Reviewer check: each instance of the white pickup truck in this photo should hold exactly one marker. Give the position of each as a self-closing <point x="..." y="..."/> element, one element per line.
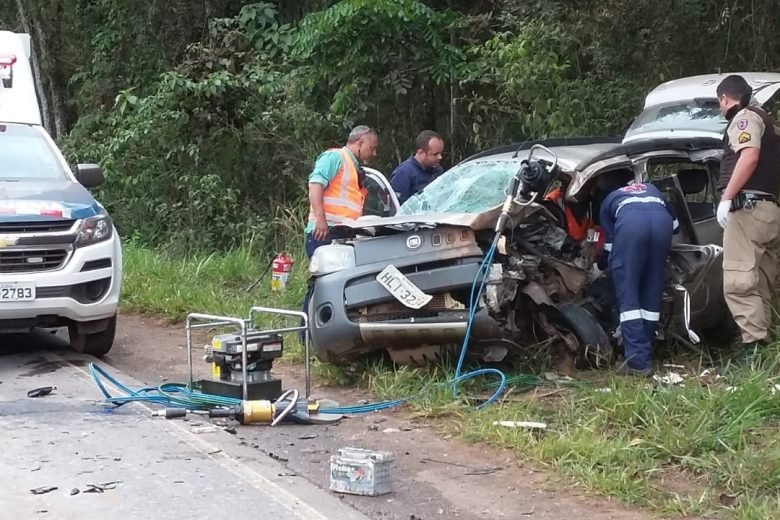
<point x="60" y="254"/>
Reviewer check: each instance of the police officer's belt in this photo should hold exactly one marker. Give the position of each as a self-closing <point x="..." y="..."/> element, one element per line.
<point x="746" y="199"/>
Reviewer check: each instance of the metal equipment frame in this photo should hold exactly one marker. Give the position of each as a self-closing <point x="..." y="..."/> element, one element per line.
<point x="247" y="331"/>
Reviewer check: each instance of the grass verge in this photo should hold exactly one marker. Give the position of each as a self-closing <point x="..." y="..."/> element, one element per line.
<point x="173" y="287"/>
<point x="710" y="446"/>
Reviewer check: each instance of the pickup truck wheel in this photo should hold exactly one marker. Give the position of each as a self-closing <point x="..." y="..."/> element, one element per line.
<point x="95" y="343"/>
<point x="594" y="345"/>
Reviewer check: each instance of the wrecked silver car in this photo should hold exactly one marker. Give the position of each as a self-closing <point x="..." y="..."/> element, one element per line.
<point x="402" y="280"/>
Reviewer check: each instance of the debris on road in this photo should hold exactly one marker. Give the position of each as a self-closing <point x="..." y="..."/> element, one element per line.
<point x="43" y="490"/>
<point x="42" y="391"/>
<point x="307" y="437"/>
<point x="75" y="491"/>
<point x="99" y="488"/>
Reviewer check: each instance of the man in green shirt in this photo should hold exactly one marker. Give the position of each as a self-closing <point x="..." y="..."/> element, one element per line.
<point x="361" y="147"/>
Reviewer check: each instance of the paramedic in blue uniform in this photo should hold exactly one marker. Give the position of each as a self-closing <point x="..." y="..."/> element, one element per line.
<point x="639" y="226"/>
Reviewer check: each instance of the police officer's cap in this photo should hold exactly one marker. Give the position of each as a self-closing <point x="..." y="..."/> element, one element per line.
<point x="735" y="87"/>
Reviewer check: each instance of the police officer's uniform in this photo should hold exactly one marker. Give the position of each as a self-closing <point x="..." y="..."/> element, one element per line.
<point x="639" y="226"/>
<point x="752" y="236"/>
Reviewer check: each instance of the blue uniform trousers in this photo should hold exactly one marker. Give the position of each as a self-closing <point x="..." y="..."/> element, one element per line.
<point x="643" y="237"/>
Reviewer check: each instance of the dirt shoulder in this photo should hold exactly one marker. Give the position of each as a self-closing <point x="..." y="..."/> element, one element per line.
<point x="436" y="475"/>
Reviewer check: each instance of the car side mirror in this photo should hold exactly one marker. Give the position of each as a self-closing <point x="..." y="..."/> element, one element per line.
<point x="90" y="175"/>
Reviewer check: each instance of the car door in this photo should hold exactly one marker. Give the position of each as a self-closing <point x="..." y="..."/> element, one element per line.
<point x="381" y="200"/>
<point x="684" y="174"/>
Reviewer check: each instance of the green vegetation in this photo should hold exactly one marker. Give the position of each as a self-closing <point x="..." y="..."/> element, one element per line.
<point x="208" y="115"/>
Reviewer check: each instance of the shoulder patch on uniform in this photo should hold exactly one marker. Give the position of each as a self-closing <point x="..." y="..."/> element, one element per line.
<point x="742" y="124"/>
<point x="634" y="188"/>
<point x="744" y="137"/>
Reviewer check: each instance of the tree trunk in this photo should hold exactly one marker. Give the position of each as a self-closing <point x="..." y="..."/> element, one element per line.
<point x="50" y="90"/>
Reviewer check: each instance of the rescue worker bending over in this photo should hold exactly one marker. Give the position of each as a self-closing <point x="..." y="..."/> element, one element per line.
<point x="749" y="184"/>
<point x="639" y="226"/>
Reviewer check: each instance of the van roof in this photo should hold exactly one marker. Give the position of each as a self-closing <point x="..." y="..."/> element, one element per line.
<point x="19" y="103"/>
<point x="705" y="85"/>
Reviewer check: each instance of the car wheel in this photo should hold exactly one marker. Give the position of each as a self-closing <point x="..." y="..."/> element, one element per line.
<point x="94" y="343"/>
<point x="594" y="345"/>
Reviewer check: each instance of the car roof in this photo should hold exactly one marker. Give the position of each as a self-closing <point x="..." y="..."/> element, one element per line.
<point x="571" y="152"/>
<point x="704" y="86"/>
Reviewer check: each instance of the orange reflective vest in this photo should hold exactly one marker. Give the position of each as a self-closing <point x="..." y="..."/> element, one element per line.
<point x="343" y="198"/>
<point x="577" y="230"/>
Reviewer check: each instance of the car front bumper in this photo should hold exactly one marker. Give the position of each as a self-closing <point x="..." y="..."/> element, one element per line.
<point x="85" y="289"/>
<point x="351" y="313"/>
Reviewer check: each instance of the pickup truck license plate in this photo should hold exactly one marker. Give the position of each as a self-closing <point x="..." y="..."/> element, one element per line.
<point x="17" y="291"/>
<point x="402" y="288"/>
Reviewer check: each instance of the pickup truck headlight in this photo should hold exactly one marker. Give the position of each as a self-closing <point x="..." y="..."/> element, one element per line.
<point x="331" y="258"/>
<point x="94" y="229"/>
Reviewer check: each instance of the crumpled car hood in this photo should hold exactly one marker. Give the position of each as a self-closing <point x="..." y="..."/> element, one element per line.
<point x="476" y="221"/>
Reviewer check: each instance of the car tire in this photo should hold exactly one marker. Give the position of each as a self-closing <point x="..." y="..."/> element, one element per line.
<point x="595" y="348"/>
<point x="96" y="344"/>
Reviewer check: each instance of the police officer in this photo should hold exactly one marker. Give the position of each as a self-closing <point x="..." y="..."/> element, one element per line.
<point x="639" y="226"/>
<point x="749" y="185"/>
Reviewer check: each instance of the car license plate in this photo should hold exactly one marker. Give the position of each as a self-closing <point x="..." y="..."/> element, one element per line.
<point x="17" y="291"/>
<point x="402" y="288"/>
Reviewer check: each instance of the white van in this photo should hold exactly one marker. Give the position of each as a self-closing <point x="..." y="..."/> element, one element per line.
<point x="688" y="107"/>
<point x="60" y="254"/>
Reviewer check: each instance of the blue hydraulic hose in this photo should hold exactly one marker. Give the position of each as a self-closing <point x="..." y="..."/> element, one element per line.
<point x="180" y="396"/>
<point x="174" y="395"/>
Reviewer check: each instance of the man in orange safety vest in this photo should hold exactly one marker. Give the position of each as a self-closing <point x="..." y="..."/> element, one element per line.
<point x="336" y="189"/>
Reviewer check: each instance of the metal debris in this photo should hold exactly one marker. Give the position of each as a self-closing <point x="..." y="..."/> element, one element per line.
<point x="42" y="391"/>
<point x="43" y="490"/>
<point x="99" y="488"/>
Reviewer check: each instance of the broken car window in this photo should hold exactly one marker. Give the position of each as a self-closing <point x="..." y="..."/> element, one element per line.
<point x="472" y="187"/>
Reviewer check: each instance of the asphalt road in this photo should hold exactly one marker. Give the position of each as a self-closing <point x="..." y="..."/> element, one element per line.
<point x="172" y="468"/>
<point x="68" y="456"/>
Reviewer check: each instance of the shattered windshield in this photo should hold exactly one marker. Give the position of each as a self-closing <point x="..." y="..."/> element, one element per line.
<point x="471" y="187"/>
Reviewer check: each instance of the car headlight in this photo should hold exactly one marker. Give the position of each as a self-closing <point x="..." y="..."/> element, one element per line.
<point x="331" y="258"/>
<point x="95" y="229"/>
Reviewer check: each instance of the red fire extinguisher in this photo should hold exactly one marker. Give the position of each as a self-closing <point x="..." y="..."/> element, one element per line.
<point x="281" y="269"/>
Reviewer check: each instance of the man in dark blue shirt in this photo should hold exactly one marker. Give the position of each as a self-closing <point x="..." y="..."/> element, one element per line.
<point x="415" y="173"/>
